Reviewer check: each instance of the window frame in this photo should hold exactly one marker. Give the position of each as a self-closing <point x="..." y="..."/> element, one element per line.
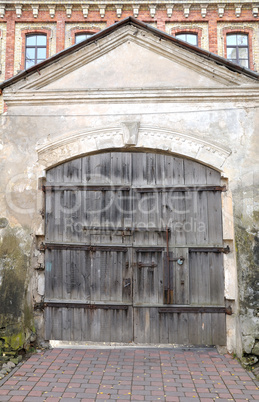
<point x="237" y="47"/>
<point x="239" y="30"/>
<point x="26" y="31"/>
<point x="35" y="47"/>
<point x="77" y="34"/>
<point x="188" y="33"/>
<point x="186" y="30"/>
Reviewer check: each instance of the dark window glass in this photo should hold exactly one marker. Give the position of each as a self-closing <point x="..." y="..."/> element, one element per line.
<point x="82" y="36"/>
<point x="237" y="49"/>
<point x="36" y="49"/>
<point x="189" y="38"/>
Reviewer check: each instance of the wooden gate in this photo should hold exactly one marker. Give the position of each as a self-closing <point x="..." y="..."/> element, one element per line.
<point x="134" y="250"/>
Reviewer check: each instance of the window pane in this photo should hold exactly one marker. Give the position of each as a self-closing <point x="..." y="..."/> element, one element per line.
<point x="30" y="53"/>
<point x="41" y="40"/>
<point x="244" y="63"/>
<point x="231" y="40"/>
<point x="41" y="53"/>
<point x="242" y="40"/>
<point x="231" y="53"/>
<point x="192" y="39"/>
<point x="31" y="40"/>
<point x="243" y="53"/>
<point x="189" y="38"/>
<point x="181" y="36"/>
<point x="80" y="37"/>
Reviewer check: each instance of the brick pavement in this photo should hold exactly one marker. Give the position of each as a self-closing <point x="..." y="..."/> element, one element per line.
<point x="133" y="374"/>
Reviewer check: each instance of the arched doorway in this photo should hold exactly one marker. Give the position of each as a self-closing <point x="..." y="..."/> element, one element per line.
<point x="134" y="250"/>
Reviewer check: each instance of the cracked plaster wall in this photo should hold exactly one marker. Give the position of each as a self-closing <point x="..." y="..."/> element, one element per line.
<point x="228" y="125"/>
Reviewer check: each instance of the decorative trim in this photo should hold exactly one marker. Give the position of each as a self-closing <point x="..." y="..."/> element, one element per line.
<point x="169" y="9"/>
<point x="135" y="8"/>
<point x="68" y="10"/>
<point x="35" y="10"/>
<point x="186" y="10"/>
<point x="152" y="10"/>
<point x="85" y="8"/>
<point x="238" y="9"/>
<point x="18" y="9"/>
<point x="221" y="10"/>
<point x="130" y="132"/>
<point x="204" y="10"/>
<point x="142" y="137"/>
<point x="102" y="8"/>
<point x="52" y="10"/>
<point x="119" y="9"/>
<point x="2" y="10"/>
<point x="255" y="8"/>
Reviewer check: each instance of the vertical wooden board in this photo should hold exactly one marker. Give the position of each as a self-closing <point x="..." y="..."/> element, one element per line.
<point x="140" y="324"/>
<point x="180" y="283"/>
<point x="95" y="276"/>
<point x="173" y="171"/>
<point x="86" y="324"/>
<point x="49" y="215"/>
<point x="49" y="265"/>
<point x="56" y="323"/>
<point x="218" y="325"/>
<point x="105" y="325"/>
<point x="164" y="328"/>
<point x="125" y="267"/>
<point x="190" y="225"/>
<point x="73" y="171"/>
<point x="57" y="274"/>
<point x="127" y="325"/>
<point x="86" y="275"/>
<point x="48" y="323"/>
<point x="154" y="334"/>
<point x="66" y="323"/>
<point x="193" y="329"/>
<point x="160" y="170"/>
<point x="216" y="284"/>
<point x="213" y="177"/>
<point x="183" y="328"/>
<point x="177" y="204"/>
<point x="206" y="330"/>
<point x="202" y="218"/>
<point x="120" y="168"/>
<point x="194" y="173"/>
<point x="151" y="169"/>
<point x="215" y="218"/>
<point x="139" y="170"/>
<point x="173" y="322"/>
<point x="95" y="324"/>
<point x="194" y="261"/>
<point x="77" y="324"/>
<point x="104" y="275"/>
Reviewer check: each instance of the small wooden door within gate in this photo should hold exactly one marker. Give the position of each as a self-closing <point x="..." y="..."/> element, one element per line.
<point x="134" y="250"/>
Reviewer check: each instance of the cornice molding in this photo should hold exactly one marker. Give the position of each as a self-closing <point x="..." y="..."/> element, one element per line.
<point x="240" y="96"/>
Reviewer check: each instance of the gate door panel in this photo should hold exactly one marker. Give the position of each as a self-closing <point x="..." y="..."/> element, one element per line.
<point x="134" y="250"/>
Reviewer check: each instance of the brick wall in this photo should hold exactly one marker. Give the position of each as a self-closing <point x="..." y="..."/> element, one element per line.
<point x="61" y="27"/>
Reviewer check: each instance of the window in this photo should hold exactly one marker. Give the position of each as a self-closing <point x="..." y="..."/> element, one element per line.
<point x="82" y="36"/>
<point x="237" y="49"/>
<point x="36" y="49"/>
<point x="188" y="37"/>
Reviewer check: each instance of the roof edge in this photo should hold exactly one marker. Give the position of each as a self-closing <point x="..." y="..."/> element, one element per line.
<point x="131" y="21"/>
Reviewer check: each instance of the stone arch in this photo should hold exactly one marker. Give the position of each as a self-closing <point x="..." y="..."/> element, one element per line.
<point x="132" y="135"/>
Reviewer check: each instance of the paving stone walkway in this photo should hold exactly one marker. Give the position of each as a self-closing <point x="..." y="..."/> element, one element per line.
<point x="133" y="374"/>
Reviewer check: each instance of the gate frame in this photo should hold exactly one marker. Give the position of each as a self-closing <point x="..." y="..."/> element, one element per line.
<point x="129" y="136"/>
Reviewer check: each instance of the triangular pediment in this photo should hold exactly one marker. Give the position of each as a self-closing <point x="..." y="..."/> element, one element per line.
<point x="130" y="55"/>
